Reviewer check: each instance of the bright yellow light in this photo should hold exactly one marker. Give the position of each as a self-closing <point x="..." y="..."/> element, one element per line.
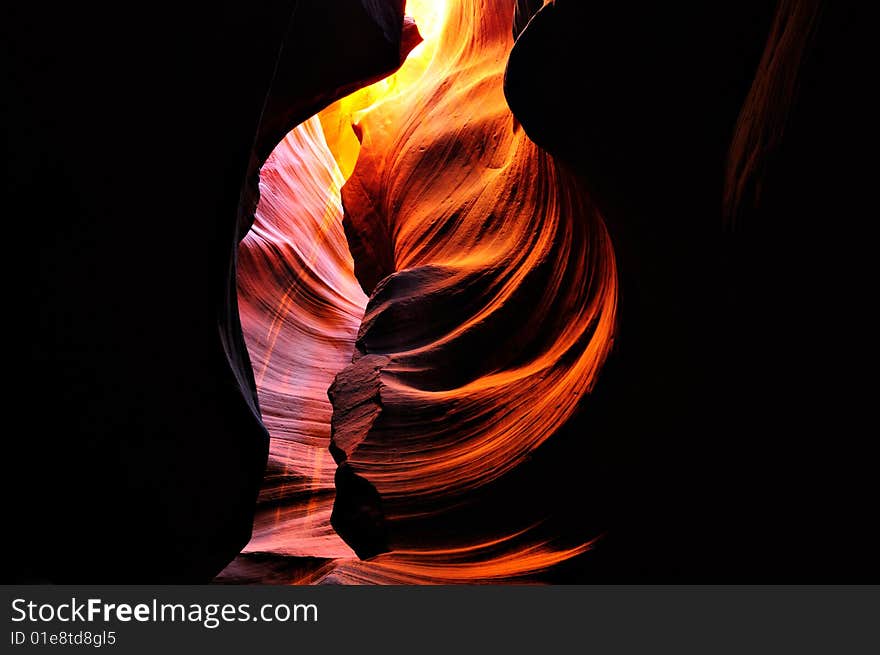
<point x="337" y="120"/>
<point x="430" y="16"/>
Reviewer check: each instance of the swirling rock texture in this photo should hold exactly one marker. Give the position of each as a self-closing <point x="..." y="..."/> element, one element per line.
<point x="464" y="301"/>
<point x="301" y="307"/>
<point x="491" y="311"/>
<point x="492" y="287"/>
<point x="459" y="226"/>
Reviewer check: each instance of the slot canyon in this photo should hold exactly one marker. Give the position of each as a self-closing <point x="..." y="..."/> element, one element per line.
<point x="439" y="292"/>
<point x="460" y="229"/>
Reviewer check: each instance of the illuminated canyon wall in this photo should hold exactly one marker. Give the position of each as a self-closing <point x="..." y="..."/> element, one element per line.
<point x="457" y="309"/>
<point x="450" y="283"/>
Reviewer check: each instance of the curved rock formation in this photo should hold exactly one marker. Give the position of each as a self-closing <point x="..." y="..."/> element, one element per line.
<point x="492" y="285"/>
<point x="492" y="308"/>
<point x="301" y="307"/>
<point x="466" y="426"/>
<point x="493" y="296"/>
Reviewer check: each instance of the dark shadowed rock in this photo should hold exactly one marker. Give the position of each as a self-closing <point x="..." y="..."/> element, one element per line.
<point x="358" y="516"/>
<point x="745" y="417"/>
<point x="141" y="449"/>
<point x="522" y="14"/>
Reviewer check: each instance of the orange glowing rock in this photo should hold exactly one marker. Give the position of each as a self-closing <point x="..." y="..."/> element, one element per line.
<point x="492" y="309"/>
<point x="492" y="279"/>
<point x="300" y="308"/>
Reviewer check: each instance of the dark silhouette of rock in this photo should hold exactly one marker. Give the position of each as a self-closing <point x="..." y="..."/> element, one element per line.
<point x="358" y="516"/>
<point x="522" y="14"/>
<point x="140" y="451"/>
<point x="731" y="370"/>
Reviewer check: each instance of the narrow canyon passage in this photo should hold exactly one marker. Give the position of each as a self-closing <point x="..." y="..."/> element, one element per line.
<point x="492" y="308"/>
<point x="440" y="291"/>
